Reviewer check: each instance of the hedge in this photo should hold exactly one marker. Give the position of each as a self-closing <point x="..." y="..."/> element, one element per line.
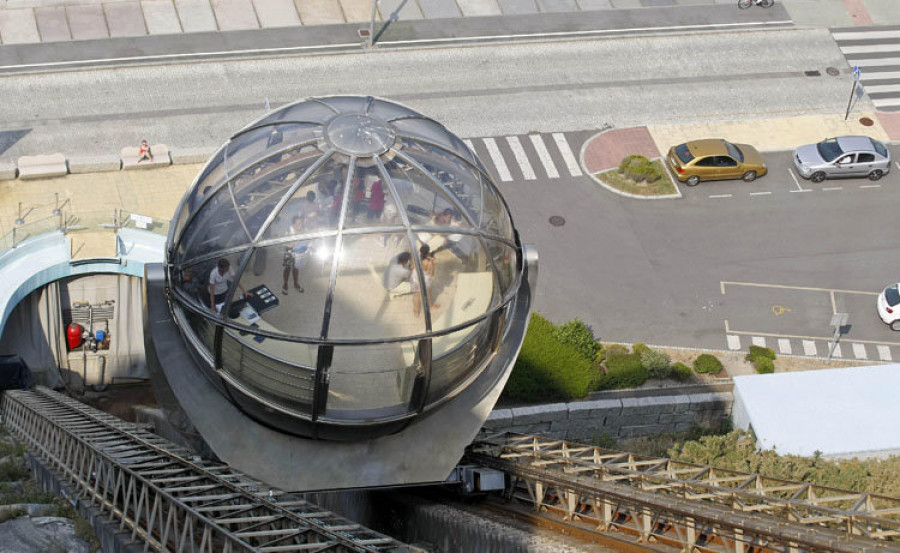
<point x="548" y="369"/>
<point x="759" y="351"/>
<point x="680" y="371"/>
<point x="707" y="364"/>
<point x="576" y="333"/>
<point x="764" y="365"/>
<point x="623" y="371"/>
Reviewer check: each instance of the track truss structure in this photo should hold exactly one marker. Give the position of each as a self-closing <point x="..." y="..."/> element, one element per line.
<point x="165" y="495"/>
<point x="695" y="507"/>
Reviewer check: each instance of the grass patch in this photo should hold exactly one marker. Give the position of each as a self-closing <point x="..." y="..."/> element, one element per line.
<point x="617" y="179"/>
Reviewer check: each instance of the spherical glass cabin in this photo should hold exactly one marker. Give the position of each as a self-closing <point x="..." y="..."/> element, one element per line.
<point x="379" y="259"/>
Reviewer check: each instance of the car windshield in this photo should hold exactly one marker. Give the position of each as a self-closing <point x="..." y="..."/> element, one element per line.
<point x="829" y="150"/>
<point x="892" y="295"/>
<point x="683" y="153"/>
<point x="734" y="151"/>
<point x="879" y="147"/>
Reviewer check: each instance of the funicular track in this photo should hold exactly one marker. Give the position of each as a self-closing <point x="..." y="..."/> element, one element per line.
<point x="693" y="507"/>
<point x="166" y="496"/>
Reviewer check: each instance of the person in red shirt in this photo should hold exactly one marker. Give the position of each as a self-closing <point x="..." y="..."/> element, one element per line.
<point x="376" y="201"/>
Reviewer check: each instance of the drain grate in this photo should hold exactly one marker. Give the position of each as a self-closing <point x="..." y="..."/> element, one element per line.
<point x="812" y="73"/>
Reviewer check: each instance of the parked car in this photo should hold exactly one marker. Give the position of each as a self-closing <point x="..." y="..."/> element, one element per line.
<point x="715" y="159"/>
<point x="889" y="306"/>
<point x="843" y="156"/>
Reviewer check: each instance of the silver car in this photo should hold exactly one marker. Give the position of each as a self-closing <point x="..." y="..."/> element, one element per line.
<point x="844" y="156"/>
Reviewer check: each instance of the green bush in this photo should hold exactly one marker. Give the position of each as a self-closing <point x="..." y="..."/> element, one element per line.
<point x="623" y="371"/>
<point x="657" y="363"/>
<point x="615" y="350"/>
<point x="639" y="349"/>
<point x="680" y="371"/>
<point x="601" y="354"/>
<point x="707" y="364"/>
<point x="576" y="333"/>
<point x="758" y="351"/>
<point x="639" y="168"/>
<point x="633" y="160"/>
<point x="764" y="365"/>
<point x="548" y="369"/>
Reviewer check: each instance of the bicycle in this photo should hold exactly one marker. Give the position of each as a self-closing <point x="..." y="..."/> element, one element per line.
<point x="744" y="4"/>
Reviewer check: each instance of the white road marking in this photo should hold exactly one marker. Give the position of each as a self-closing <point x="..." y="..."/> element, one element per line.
<point x="784" y="346"/>
<point x="886" y="102"/>
<point x="521" y="158"/>
<point x="809" y="347"/>
<point x="734" y="342"/>
<point x="760" y="193"/>
<point x="544" y="156"/>
<point x="875" y="62"/>
<point x="497" y="158"/>
<point x="470" y="145"/>
<point x="884" y="353"/>
<point x="567" y="155"/>
<point x="870" y="186"/>
<point x="880" y="76"/>
<point x="882" y="88"/>
<point x="870" y="48"/>
<point x="859" y="351"/>
<point x="897" y="163"/>
<point x="833" y="188"/>
<point x="858" y="35"/>
<point x="837" y="351"/>
<point x="799" y="188"/>
<point x="758" y="341"/>
<point x="720" y="196"/>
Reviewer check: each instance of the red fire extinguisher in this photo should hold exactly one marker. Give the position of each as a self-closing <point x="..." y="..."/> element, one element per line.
<point x="73" y="335"/>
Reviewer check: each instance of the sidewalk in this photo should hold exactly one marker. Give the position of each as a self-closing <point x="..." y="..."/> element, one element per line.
<point x="33" y="21"/>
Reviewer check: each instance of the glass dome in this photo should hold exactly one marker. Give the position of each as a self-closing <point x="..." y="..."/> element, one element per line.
<point x="377" y="258"/>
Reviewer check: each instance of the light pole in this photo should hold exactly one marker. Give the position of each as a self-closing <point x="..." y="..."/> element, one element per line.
<point x="370" y="40"/>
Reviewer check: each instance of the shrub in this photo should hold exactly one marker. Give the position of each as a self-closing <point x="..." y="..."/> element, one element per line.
<point x="623" y="371"/>
<point x="758" y="351"/>
<point x="548" y="369"/>
<point x="576" y="333"/>
<point x="615" y="350"/>
<point x="681" y="372"/>
<point x="639" y="168"/>
<point x="601" y="354"/>
<point x="764" y="365"/>
<point x="707" y="364"/>
<point x="639" y="349"/>
<point x="657" y="363"/>
<point x="633" y="160"/>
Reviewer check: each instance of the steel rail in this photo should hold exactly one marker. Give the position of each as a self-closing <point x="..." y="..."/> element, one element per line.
<point x="664" y="499"/>
<point x="166" y="495"/>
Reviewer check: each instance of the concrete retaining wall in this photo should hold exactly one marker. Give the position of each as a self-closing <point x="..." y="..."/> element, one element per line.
<point x="626" y="417"/>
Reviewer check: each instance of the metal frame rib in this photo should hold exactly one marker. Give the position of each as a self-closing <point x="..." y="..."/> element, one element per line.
<point x="700" y="508"/>
<point x="167" y="496"/>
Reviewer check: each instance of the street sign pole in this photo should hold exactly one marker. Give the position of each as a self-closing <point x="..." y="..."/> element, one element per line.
<point x="856" y="75"/>
<point x="370" y="40"/>
<point x="838" y="321"/>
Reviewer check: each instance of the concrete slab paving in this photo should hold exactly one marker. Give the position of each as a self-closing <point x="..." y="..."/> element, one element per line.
<point x="657" y="3"/>
<point x="18" y="27"/>
<point x="439" y="9"/>
<point x="52" y="24"/>
<point x="588" y="5"/>
<point x="235" y="15"/>
<point x="356" y="10"/>
<point x="322" y="12"/>
<point x="196" y="16"/>
<point x="475" y="8"/>
<point x="276" y="13"/>
<point x="885" y="12"/>
<point x="161" y="17"/>
<point x="818" y="13"/>
<point x="512" y="7"/>
<point x="87" y="22"/>
<point x="125" y="19"/>
<point x="399" y="10"/>
<point x="557" y="6"/>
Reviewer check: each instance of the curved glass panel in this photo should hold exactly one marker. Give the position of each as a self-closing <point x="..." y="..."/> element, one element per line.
<point x="220" y="281"/>
<point x="457" y="355"/>
<point x="311" y="111"/>
<point x="426" y="130"/>
<point x="289" y="285"/>
<point x="505" y="262"/>
<point x="464" y="286"/>
<point x="372" y="293"/>
<point x="371" y="202"/>
<point x="215" y="228"/>
<point x="367" y="382"/>
<point x="260" y="364"/>
<point x="314" y="206"/>
<point x="424" y="202"/>
<point x="203" y="329"/>
<point x="494" y="216"/>
<point x="390" y="111"/>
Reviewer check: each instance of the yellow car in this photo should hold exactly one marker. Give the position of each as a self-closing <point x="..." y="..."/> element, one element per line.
<point x="715" y="159"/>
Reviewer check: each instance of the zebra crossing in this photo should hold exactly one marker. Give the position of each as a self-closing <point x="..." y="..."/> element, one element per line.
<point x="858" y="351"/>
<point x="528" y="157"/>
<point x="876" y="51"/>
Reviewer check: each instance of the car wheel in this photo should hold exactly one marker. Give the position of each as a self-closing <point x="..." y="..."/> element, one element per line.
<point x="817" y="177"/>
<point x="876" y="174"/>
<point x="692" y="181"/>
<point x="749" y="176"/>
<point x="895" y="325"/>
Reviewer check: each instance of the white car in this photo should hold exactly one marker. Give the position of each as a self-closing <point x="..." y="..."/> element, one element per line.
<point x="889" y="306"/>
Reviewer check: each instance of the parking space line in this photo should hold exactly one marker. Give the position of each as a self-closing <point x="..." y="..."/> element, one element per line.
<point x="758" y="341"/>
<point x="799" y="188"/>
<point x="809" y="347"/>
<point x="784" y="346"/>
<point x="870" y="186"/>
<point x="897" y="163"/>
<point x="837" y="351"/>
<point x="788" y="287"/>
<point x="829" y="188"/>
<point x="884" y="353"/>
<point x="760" y="193"/>
<point x="720" y="195"/>
<point x="734" y="342"/>
<point x="859" y="351"/>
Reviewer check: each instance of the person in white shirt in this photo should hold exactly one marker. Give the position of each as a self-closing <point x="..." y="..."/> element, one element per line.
<point x="219" y="280"/>
<point x="396" y="277"/>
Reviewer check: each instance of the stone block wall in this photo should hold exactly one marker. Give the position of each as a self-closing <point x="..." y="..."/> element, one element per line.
<point x="628" y="417"/>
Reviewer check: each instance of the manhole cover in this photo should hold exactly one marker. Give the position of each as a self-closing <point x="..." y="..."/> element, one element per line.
<point x="833" y="71"/>
<point x="866" y="122"/>
<point x="557" y="221"/>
